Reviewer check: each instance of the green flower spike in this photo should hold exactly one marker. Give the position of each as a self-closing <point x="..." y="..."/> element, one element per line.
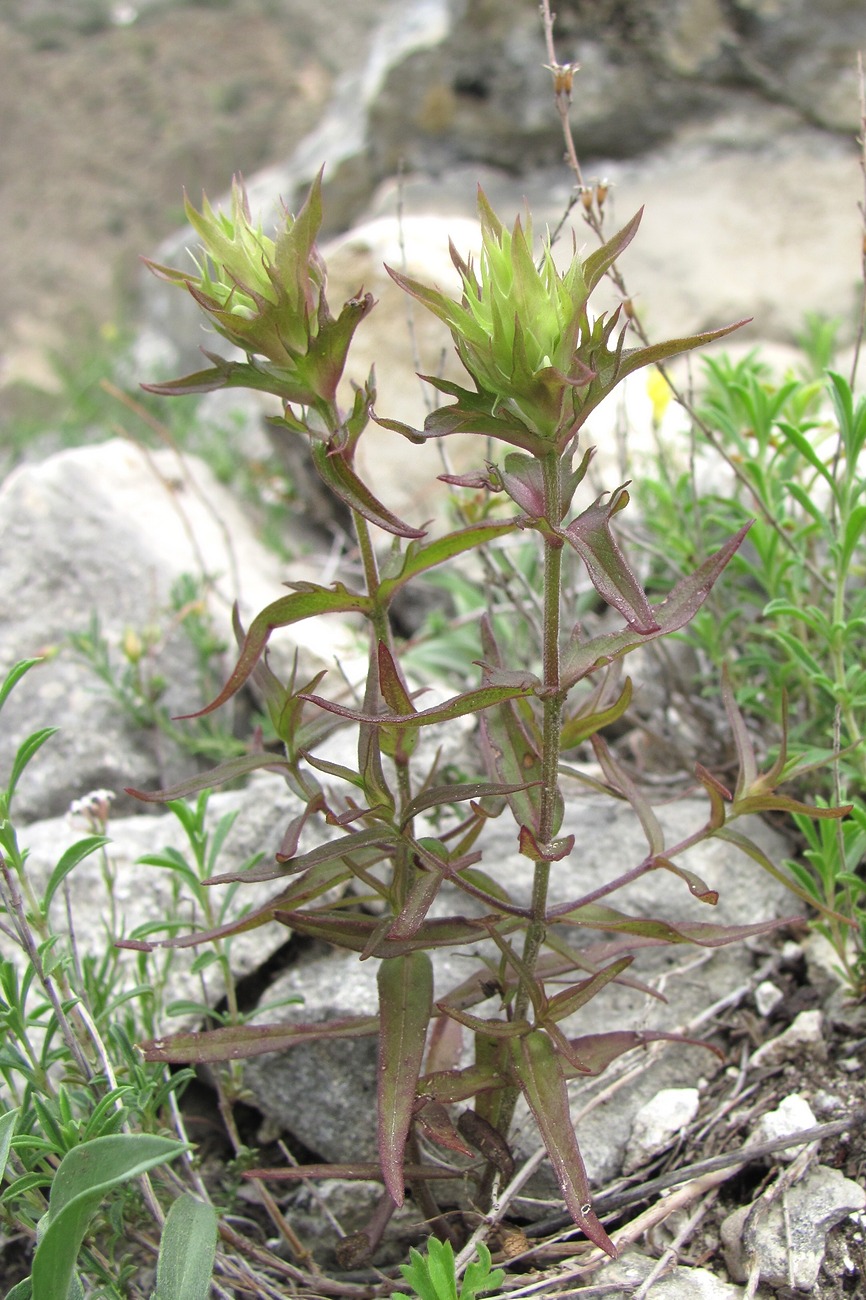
<point x="523" y="333"/>
<point x="267" y="297"/>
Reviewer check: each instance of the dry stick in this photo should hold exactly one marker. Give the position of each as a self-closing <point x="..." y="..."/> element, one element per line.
<point x="563" y="82"/>
<point x="165" y="436"/>
<point x="671" y="1255"/>
<point x="595" y="221"/>
<point x="861" y="140"/>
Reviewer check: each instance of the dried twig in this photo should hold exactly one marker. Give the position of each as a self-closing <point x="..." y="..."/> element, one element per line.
<point x="861" y="140"/>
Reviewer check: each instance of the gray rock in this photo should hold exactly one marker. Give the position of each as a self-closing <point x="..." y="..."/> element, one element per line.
<point x="658" y="1122"/>
<point x="789" y="1239"/>
<point x="792" y="1115"/>
<point x="679" y="1284"/>
<point x="803" y="1035"/>
<point x="324" y="1092"/>
<point x="767" y="997"/>
<point x="108" y="530"/>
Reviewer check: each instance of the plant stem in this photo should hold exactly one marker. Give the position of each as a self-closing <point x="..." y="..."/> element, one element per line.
<point x="552" y="701"/>
<point x="378" y="615"/>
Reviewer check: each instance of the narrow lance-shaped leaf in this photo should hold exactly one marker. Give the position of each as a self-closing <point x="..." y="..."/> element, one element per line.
<point x="752" y="850"/>
<point x="355" y="932"/>
<point x="420" y="558"/>
<point x="596" y="1051"/>
<point x="282" y="613"/>
<point x="437" y="796"/>
<point x="616" y="774"/>
<point x="241" y="1042"/>
<point x="482" y="697"/>
<point x="581" y="726"/>
<point x="572" y="999"/>
<point x="703" y="933"/>
<point x="405" y="1006"/>
<point x="584" y="657"/>
<point x="337" y="473"/>
<point x="215" y="776"/>
<point x="539" y="1074"/>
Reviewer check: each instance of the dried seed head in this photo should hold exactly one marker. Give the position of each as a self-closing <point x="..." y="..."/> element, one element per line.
<point x="563" y="77"/>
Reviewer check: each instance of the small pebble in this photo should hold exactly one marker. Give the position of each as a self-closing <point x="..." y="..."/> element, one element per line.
<point x="767" y="997"/>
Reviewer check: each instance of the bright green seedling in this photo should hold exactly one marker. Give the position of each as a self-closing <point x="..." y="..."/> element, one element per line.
<point x="433" y="1276"/>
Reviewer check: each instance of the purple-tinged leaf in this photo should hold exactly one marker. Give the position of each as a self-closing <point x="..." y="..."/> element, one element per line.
<point x="240" y="1042"/>
<point x="747" y="846"/>
<point x="292" y="836"/>
<point x="583" y="658"/>
<point x="420" y="558"/>
<point x="405" y="1006"/>
<point x="314" y="883"/>
<point x="452" y="1086"/>
<point x="359" y="1171"/>
<point x="702" y="933"/>
<point x="394" y="690"/>
<point x="433" y="1119"/>
<point x="718" y="796"/>
<point x="696" y="886"/>
<point x="330" y="851"/>
<point x="510" y="752"/>
<point x="747" y="773"/>
<point x="531" y="847"/>
<point x="591" y="537"/>
<point x="444" y="1045"/>
<point x="482" y="697"/>
<point x="636" y="358"/>
<point x="355" y="932"/>
<point x="572" y="999"/>
<point x="417" y="904"/>
<point x="597" y="1051"/>
<point x="539" y="1074"/>
<point x="620" y="780"/>
<point x="761" y="803"/>
<point x="490" y="1028"/>
<point x="232" y="374"/>
<point x="488" y="1142"/>
<point x="216" y="776"/>
<point x="336" y="472"/>
<point x="373" y="779"/>
<point x="599" y="262"/>
<point x="523" y="480"/>
<point x="563" y="959"/>
<point x="437" y="796"/>
<point x="299" y="605"/>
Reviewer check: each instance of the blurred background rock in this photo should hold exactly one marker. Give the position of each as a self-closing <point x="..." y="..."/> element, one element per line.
<point x="109" y="110"/>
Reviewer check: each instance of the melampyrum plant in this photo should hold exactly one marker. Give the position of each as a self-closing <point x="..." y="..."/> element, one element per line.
<point x="538" y="363"/>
